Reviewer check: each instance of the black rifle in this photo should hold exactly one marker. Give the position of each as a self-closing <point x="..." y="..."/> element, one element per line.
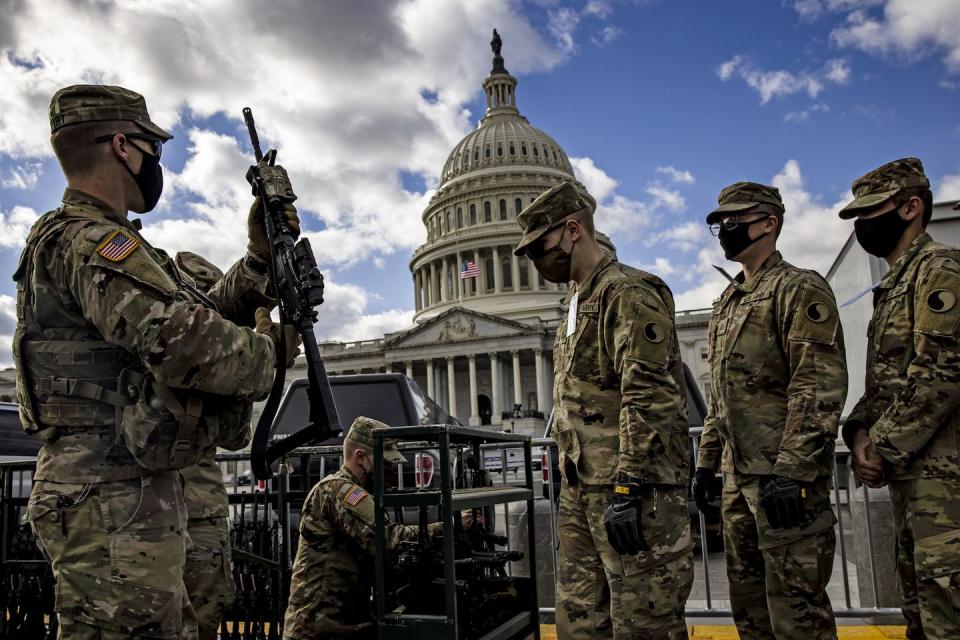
<point x="298" y="286"/>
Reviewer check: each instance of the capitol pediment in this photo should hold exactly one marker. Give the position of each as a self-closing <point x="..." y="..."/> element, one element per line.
<point x="459" y="325"/>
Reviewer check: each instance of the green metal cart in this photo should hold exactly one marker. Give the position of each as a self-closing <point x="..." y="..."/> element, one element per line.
<point x="519" y="614"/>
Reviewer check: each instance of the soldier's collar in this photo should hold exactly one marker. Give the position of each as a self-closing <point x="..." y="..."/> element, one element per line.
<point x="584" y="290"/>
<point x="893" y="276"/>
<point x="76" y="196"/>
<point x="346" y="471"/>
<point x="739" y="281"/>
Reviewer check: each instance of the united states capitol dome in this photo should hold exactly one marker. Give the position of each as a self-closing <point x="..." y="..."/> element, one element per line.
<point x="503" y="140"/>
<point x="489" y="177"/>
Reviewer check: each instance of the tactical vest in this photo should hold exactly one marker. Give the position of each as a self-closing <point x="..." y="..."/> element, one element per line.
<point x="101" y="415"/>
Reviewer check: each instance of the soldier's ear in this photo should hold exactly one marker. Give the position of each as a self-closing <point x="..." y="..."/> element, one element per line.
<point x="574" y="229"/>
<point x="912" y="208"/>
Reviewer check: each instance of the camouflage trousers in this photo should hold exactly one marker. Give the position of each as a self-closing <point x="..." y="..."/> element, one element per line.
<point x="926" y="514"/>
<point x="778" y="577"/>
<point x="117" y="551"/>
<point x="208" y="573"/>
<point x="601" y="594"/>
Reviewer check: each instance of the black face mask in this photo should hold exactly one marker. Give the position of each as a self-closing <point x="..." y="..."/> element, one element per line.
<point x="149" y="180"/>
<point x="879" y="236"/>
<point x="735" y="240"/>
<point x="554" y="264"/>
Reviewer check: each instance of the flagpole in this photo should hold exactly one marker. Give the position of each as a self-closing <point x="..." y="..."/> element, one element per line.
<point x="459" y="267"/>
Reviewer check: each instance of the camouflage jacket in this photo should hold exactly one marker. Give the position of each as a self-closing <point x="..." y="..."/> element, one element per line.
<point x="911" y="401"/>
<point x="93" y="297"/>
<point x="333" y="572"/>
<point x="237" y="294"/>
<point x="618" y="390"/>
<point x="778" y="375"/>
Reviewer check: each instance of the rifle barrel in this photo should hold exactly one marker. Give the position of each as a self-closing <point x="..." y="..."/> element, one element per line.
<point x="252" y="130"/>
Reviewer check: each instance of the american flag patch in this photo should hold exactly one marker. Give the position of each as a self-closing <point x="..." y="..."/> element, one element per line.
<point x="118" y="246"/>
<point x="355" y="496"/>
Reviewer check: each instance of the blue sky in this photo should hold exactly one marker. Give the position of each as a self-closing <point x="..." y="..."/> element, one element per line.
<point x="659" y="104"/>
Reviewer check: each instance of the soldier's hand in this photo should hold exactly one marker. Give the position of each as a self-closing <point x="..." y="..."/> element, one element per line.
<point x="622" y="520"/>
<point x="266" y="326"/>
<point x="782" y="501"/>
<point x="867" y="462"/>
<point x="257" y="243"/>
<point x="703" y="493"/>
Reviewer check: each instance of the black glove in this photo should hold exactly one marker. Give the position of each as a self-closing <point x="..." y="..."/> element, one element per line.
<point x="783" y="502"/>
<point x="703" y="493"/>
<point x="622" y="520"/>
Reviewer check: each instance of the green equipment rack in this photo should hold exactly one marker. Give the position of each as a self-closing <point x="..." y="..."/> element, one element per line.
<point x="394" y="626"/>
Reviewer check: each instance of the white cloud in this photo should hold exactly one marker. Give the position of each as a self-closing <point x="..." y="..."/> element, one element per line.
<point x="947" y="188"/>
<point x="662" y="267"/>
<point x="677" y="175"/>
<point x="813" y="9"/>
<point x="812" y="232"/>
<point x="8" y="323"/>
<point x="663" y="197"/>
<point x="804" y="115"/>
<point x="907" y="28"/>
<point x="22" y="176"/>
<point x="15" y="225"/>
<point x="563" y="23"/>
<point x="685" y="237"/>
<point x="597" y="182"/>
<point x="598" y="8"/>
<point x="354" y="95"/>
<point x="607" y="35"/>
<point x="837" y="71"/>
<point x="812" y="236"/>
<point x="617" y="213"/>
<point x="771" y="84"/>
<point x="344" y="316"/>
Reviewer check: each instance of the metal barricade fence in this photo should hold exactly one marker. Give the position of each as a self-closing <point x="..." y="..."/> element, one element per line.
<point x="264" y="519"/>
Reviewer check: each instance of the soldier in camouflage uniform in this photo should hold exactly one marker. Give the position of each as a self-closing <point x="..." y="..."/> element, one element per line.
<point x="620" y="422"/>
<point x="905" y="430"/>
<point x="778" y="381"/>
<point x="208" y="573"/>
<point x="126" y="371"/>
<point x="333" y="572"/>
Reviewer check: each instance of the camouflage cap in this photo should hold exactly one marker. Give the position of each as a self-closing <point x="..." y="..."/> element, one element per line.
<point x="97" y="102"/>
<point x="361" y="432"/>
<point x="205" y="274"/>
<point x="879" y="185"/>
<point x="743" y="196"/>
<point x="553" y="205"/>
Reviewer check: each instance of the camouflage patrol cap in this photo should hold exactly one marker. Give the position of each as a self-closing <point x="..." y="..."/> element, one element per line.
<point x="361" y="432"/>
<point x="550" y="207"/>
<point x="204" y="273"/>
<point x="879" y="185"/>
<point x="98" y="102"/>
<point x="740" y="197"/>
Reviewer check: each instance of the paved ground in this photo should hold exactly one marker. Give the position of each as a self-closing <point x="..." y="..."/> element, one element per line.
<point x="724" y="632"/>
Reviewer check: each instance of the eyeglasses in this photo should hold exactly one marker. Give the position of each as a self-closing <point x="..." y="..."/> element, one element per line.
<point x="732" y="223"/>
<point x="156" y="144"/>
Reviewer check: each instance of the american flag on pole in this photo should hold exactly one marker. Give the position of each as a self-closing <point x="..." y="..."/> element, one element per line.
<point x="118" y="246"/>
<point x="469" y="269"/>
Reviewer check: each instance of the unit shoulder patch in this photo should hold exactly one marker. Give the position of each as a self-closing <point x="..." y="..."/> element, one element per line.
<point x="816" y="319"/>
<point x="118" y="246"/>
<point x="937" y="307"/>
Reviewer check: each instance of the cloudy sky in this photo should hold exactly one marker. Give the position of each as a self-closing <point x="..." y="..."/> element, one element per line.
<point x="658" y="103"/>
